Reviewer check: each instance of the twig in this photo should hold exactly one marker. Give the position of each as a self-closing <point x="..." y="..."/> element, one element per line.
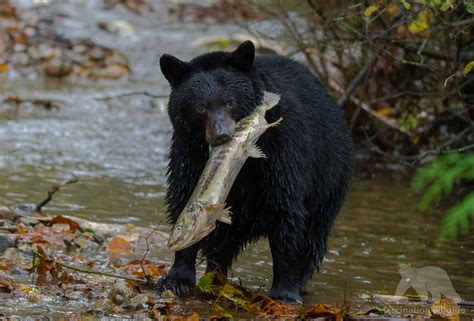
<point x="51" y="192"/>
<point x="64" y="265"/>
<point x="389" y="122"/>
<point x="147" y="277"/>
<point x="133" y="93"/>
<point x="358" y="78"/>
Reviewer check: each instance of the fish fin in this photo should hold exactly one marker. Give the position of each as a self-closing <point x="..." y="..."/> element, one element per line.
<point x="270" y="99"/>
<point x="255" y="152"/>
<point x="225" y="216"/>
<point x="276" y="123"/>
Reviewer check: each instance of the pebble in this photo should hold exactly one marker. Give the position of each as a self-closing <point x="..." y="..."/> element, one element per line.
<point x="5" y="243"/>
<point x="6" y="213"/>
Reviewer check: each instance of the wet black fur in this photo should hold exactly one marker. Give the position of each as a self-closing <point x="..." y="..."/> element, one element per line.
<point x="292" y="196"/>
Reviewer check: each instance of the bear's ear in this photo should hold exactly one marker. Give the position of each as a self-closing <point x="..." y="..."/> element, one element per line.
<point x="173" y="69"/>
<point x="242" y="58"/>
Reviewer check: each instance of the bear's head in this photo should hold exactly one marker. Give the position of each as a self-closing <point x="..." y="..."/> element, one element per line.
<point x="212" y="92"/>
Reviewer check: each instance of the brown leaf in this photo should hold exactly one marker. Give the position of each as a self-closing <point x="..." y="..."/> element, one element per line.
<point x="445" y="309"/>
<point x="134" y="267"/>
<point x="73" y="226"/>
<point x="6" y="285"/>
<point x="320" y="311"/>
<point x="119" y="245"/>
<point x="193" y="317"/>
<point x="45" y="264"/>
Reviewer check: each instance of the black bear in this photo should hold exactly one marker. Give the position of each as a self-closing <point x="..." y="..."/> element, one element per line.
<point x="292" y="197"/>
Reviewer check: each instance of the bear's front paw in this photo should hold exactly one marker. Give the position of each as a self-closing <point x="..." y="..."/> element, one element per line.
<point x="285" y="295"/>
<point x="180" y="284"/>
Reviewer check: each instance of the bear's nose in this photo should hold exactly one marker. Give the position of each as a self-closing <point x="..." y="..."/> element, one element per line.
<point x="221" y="139"/>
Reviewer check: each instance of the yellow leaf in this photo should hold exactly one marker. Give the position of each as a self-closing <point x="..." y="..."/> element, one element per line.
<point x="406" y="4"/>
<point x="468" y="68"/>
<point x="392" y="9"/>
<point x="384" y="111"/>
<point x="421" y="23"/>
<point x="3" y="67"/>
<point x="370" y="10"/>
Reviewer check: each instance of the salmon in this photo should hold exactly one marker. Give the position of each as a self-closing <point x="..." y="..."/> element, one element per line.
<point x="207" y="202"/>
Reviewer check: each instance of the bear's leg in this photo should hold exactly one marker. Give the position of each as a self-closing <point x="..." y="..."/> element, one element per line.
<point x="181" y="278"/>
<point x="220" y="251"/>
<point x="287" y="257"/>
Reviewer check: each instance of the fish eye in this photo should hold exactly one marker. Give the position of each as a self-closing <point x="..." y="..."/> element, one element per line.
<point x="178" y="228"/>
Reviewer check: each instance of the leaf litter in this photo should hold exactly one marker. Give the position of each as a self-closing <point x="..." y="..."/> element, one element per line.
<point x="68" y="267"/>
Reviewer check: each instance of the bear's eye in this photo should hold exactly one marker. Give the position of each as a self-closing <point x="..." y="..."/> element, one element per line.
<point x="200" y="109"/>
<point x="230" y="103"/>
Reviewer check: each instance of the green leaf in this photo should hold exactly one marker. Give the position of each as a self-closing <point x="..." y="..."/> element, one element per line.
<point x="469" y="4"/>
<point x="468" y="67"/>
<point x="205" y="283"/>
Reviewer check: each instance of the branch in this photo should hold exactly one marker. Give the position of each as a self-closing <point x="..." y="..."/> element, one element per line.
<point x="64" y="265"/>
<point x="358" y="78"/>
<point x="364" y="106"/>
<point x="52" y="191"/>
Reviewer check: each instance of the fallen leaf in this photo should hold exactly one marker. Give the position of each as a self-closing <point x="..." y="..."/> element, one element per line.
<point x="73" y="226"/>
<point x="6" y="285"/>
<point x="136" y="267"/>
<point x="193" y="317"/>
<point x="205" y="283"/>
<point x="445" y="309"/>
<point x="119" y="245"/>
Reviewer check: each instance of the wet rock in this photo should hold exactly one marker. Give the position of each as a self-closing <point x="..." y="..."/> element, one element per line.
<point x="97" y="54"/>
<point x="19" y="47"/>
<point x="87" y="246"/>
<point x="20" y="59"/>
<point x="18" y="272"/>
<point x="120" y="27"/>
<point x="109" y="72"/>
<point x="16" y="255"/>
<point x="5" y="243"/>
<point x="6" y="213"/>
<point x="121" y="292"/>
<point x="28" y="220"/>
<point x="46" y="52"/>
<point x="23" y="209"/>
<point x="58" y="67"/>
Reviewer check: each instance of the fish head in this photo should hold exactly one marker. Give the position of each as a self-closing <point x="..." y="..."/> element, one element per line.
<point x="191" y="226"/>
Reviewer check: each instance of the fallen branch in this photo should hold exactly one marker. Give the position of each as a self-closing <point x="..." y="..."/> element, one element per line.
<point x="51" y="192"/>
<point x="147" y="277"/>
<point x="64" y="265"/>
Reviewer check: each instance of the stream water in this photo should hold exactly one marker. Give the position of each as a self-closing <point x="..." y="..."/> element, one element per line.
<point x="118" y="149"/>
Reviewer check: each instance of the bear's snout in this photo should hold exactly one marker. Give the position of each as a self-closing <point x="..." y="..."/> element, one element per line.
<point x="220" y="127"/>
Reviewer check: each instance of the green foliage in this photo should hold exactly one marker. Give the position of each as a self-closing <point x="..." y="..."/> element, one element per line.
<point x="443" y="5"/>
<point x="205" y="283"/>
<point x="438" y="179"/>
<point x="469" y="4"/>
